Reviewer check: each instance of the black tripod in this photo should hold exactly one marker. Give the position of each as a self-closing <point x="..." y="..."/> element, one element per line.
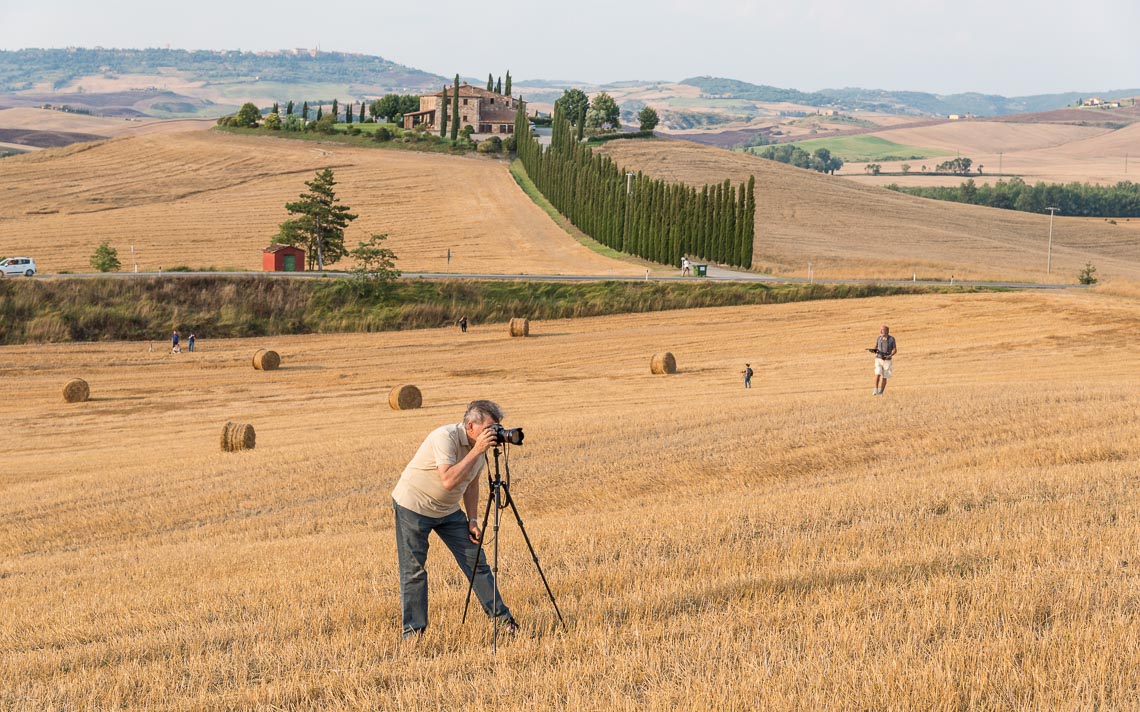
<point x="499" y="495"/>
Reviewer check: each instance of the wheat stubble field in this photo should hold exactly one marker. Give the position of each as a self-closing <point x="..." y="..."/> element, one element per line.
<point x="966" y="541"/>
<point x="848" y="230"/>
<point x="208" y="199"/>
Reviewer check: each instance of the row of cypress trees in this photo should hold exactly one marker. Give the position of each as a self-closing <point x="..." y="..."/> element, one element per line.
<point x="650" y="218"/>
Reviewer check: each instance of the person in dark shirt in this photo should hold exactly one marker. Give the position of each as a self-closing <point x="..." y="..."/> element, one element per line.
<point x="885" y="350"/>
<point x="747" y="375"/>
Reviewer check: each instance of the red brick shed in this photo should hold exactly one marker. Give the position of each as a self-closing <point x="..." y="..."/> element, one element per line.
<point x="283" y="258"/>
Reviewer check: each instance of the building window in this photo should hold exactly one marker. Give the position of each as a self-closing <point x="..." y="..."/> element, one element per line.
<point x="465" y="102"/>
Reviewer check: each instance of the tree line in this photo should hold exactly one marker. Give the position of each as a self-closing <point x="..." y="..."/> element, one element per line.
<point x="819" y="160"/>
<point x="1075" y="199"/>
<point x="650" y="218"/>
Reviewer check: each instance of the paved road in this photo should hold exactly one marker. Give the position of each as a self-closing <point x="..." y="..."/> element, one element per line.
<point x="715" y="274"/>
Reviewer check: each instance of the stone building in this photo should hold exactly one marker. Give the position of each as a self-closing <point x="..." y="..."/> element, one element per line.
<point x="485" y="111"/>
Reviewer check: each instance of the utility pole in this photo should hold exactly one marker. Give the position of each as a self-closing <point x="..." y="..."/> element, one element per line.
<point x="999" y="163"/>
<point x="1049" y="257"/>
<point x="811" y="275"/>
<point x="629" y="183"/>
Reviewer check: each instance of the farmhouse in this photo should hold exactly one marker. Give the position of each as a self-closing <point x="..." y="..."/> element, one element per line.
<point x="485" y="111"/>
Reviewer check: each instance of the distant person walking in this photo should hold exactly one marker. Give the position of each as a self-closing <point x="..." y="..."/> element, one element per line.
<point x="685" y="266"/>
<point x="174" y="347"/>
<point x="747" y="375"/>
<point x="463" y="324"/>
<point x="190" y="342"/>
<point x="885" y="350"/>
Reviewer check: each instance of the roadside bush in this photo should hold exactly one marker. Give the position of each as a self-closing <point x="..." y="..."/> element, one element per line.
<point x="494" y="144"/>
<point x="1088" y="274"/>
<point x="383" y="134"/>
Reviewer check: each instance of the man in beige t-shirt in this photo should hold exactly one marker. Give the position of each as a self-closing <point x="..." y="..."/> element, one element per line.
<point x="445" y="471"/>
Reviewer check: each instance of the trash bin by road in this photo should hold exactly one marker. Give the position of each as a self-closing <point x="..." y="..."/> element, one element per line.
<point x="700" y="270"/>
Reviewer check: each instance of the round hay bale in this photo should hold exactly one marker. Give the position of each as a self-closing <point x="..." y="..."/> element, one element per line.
<point x="76" y="391"/>
<point x="405" y="397"/>
<point x="520" y="327"/>
<point x="238" y="436"/>
<point x="663" y="363"/>
<point x="266" y="360"/>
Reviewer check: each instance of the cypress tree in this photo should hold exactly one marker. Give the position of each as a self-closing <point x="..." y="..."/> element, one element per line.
<point x="320" y="112"/>
<point x="361" y="112"/>
<point x="348" y="114"/>
<point x="335" y="111"/>
<point x="305" y="111"/>
<point x="443" y="114"/>
<point x="581" y="122"/>
<point x="499" y="86"/>
<point x="507" y="88"/>
<point x="490" y="82"/>
<point x="275" y="109"/>
<point x="455" y="111"/>
<point x="750" y="222"/>
<point x="289" y="108"/>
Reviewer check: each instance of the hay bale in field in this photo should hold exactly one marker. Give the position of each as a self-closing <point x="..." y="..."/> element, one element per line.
<point x="76" y="391"/>
<point x="406" y="397"/>
<point x="520" y="327"/>
<point x="238" y="436"/>
<point x="663" y="363"/>
<point x="266" y="360"/>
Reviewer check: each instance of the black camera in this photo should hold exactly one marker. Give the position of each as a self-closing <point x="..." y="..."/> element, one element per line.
<point x="513" y="436"/>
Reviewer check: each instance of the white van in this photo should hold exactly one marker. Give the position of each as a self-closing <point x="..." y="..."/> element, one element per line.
<point x="17" y="266"/>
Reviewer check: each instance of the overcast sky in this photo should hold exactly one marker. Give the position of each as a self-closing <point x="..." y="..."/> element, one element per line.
<point x="1009" y="47"/>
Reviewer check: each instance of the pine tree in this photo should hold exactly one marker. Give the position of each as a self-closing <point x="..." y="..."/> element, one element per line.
<point x="455" y="111"/>
<point x="320" y="222"/>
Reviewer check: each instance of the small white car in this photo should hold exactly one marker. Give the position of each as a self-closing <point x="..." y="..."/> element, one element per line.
<point x="16" y="266"/>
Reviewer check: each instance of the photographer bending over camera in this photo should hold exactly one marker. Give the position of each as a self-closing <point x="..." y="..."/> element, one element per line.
<point x="444" y="470"/>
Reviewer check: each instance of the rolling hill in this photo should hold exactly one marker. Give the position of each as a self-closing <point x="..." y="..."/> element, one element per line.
<point x="211" y="199"/>
<point x="851" y="230"/>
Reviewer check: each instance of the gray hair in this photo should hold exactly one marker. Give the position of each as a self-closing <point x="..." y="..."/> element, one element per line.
<point x="480" y="410"/>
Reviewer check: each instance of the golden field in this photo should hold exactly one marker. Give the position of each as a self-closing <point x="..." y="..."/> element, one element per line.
<point x="203" y="199"/>
<point x="848" y="230"/>
<point x="966" y="541"/>
<point x="1053" y="153"/>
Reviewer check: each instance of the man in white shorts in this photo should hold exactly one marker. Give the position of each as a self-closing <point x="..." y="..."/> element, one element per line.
<point x="885" y="350"/>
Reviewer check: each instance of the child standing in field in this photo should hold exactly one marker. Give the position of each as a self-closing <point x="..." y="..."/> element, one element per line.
<point x="174" y="347"/>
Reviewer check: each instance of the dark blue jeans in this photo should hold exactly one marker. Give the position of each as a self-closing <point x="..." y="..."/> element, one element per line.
<point x="412" y="532"/>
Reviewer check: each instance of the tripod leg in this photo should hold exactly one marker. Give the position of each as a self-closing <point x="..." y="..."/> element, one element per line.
<point x="475" y="566"/>
<point x="534" y="556"/>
